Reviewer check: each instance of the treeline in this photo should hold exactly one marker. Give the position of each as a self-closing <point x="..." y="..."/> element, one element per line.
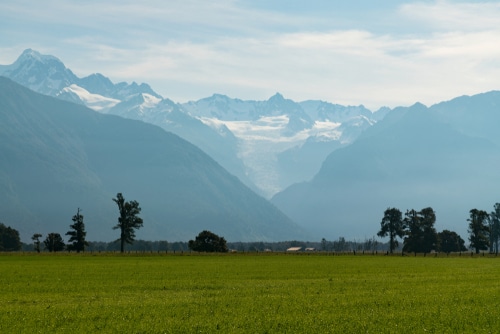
<point x="417" y="231"/>
<point x="339" y="245"/>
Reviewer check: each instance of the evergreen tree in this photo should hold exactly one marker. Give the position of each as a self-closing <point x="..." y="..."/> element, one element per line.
<point x="77" y="235"/>
<point x="494" y="225"/>
<point x="421" y="236"/>
<point x="9" y="239"/>
<point x="450" y="241"/>
<point x="478" y="230"/>
<point x="392" y="226"/>
<point x="54" y="242"/>
<point x="128" y="221"/>
<point x="207" y="241"/>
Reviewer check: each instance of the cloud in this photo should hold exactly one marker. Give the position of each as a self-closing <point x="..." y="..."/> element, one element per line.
<point x="346" y="66"/>
<point x="188" y="49"/>
<point x="454" y="16"/>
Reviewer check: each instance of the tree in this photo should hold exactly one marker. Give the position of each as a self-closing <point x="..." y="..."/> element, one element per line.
<point x="54" y="242"/>
<point x="324" y="245"/>
<point x="450" y="241"/>
<point x="392" y="226"/>
<point x="128" y="221"/>
<point x="77" y="235"/>
<point x="421" y="236"/>
<point x="370" y="244"/>
<point x="207" y="241"/>
<point x="9" y="239"/>
<point x="340" y="245"/>
<point x="494" y="225"/>
<point x="36" y="241"/>
<point x="478" y="230"/>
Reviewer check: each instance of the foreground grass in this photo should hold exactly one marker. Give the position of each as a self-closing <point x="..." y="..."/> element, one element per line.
<point x="248" y="294"/>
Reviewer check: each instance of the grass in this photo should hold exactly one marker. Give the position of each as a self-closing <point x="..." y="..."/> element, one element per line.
<point x="247" y="294"/>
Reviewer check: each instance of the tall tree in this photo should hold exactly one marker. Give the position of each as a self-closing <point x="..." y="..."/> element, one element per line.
<point x="128" y="221"/>
<point x="494" y="225"/>
<point x="392" y="226"/>
<point x="78" y="234"/>
<point x="478" y="230"/>
<point x="207" y="241"/>
<point x="9" y="239"/>
<point x="54" y="242"/>
<point x="421" y="236"/>
<point x="36" y="241"/>
<point x="450" y="241"/>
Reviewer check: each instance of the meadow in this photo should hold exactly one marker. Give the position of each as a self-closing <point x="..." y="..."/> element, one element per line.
<point x="251" y="293"/>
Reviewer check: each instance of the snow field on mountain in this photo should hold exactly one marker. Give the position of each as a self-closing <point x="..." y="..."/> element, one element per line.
<point x="260" y="141"/>
<point x="94" y="101"/>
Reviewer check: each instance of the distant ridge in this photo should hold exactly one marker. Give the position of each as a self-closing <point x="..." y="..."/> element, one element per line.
<point x="415" y="158"/>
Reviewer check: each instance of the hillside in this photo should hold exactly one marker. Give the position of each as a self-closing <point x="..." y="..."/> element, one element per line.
<point x="57" y="156"/>
<point x="414" y="158"/>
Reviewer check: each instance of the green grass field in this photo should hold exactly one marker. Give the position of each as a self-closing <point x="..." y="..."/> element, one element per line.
<point x="70" y="293"/>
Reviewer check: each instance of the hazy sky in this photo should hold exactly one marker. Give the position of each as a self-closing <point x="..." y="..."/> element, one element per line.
<point x="376" y="53"/>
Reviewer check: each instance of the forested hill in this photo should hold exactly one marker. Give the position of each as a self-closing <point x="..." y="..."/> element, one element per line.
<point x="56" y="156"/>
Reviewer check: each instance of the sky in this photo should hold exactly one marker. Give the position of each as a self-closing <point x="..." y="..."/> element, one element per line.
<point x="375" y="53"/>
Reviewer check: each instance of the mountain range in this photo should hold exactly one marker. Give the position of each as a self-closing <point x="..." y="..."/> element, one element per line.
<point x="332" y="169"/>
<point x="57" y="156"/>
<point x="257" y="141"/>
<point x="442" y="157"/>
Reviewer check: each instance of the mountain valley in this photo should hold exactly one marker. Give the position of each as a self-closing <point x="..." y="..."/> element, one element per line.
<point x="329" y="170"/>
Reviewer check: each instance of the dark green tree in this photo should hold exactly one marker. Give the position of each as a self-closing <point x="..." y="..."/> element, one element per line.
<point x="392" y="226"/>
<point x="478" y="230"/>
<point x="77" y="234"/>
<point x="450" y="241"/>
<point x="207" y="241"/>
<point x="9" y="239"/>
<point x="494" y="225"/>
<point x="421" y="236"/>
<point x="54" y="242"/>
<point x="36" y="241"/>
<point x="128" y="221"/>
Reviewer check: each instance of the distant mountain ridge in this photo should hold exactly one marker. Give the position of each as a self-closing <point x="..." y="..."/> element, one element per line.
<point x="414" y="158"/>
<point x="241" y="135"/>
<point x="56" y="156"/>
<point x="278" y="131"/>
<point x="333" y="169"/>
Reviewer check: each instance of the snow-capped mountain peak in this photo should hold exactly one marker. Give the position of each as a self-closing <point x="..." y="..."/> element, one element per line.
<point x="30" y="54"/>
<point x="42" y="73"/>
